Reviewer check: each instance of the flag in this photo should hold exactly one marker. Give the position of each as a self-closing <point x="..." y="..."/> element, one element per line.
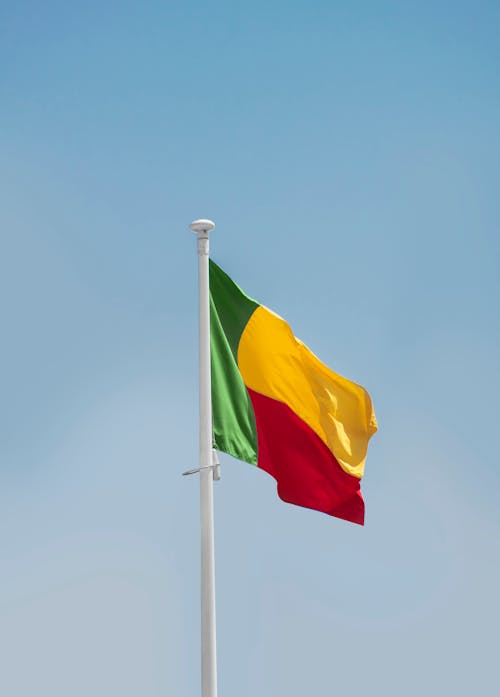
<point x="277" y="406"/>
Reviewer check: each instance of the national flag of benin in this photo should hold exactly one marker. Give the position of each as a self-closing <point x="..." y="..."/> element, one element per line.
<point x="275" y="405"/>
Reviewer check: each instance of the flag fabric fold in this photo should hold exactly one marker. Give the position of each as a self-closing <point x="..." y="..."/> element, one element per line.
<point x="277" y="406"/>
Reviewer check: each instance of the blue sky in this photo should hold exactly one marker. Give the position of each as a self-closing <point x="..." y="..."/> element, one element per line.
<point x="348" y="153"/>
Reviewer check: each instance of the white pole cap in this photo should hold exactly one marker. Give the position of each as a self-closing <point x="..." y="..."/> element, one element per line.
<point x="202" y="225"/>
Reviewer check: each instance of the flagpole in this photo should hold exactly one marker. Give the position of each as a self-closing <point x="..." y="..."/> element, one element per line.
<point x="207" y="470"/>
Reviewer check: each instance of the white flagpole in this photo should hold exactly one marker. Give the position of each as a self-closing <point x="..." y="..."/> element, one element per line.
<point x="207" y="471"/>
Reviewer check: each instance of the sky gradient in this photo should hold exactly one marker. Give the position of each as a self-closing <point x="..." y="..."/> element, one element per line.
<point x="349" y="154"/>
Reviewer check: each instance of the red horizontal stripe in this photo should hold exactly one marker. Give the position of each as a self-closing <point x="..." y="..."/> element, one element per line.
<point x="306" y="471"/>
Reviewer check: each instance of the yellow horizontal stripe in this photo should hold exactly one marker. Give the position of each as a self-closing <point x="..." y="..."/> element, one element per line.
<point x="276" y="364"/>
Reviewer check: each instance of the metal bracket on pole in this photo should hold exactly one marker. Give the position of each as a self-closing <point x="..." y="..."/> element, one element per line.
<point x="215" y="467"/>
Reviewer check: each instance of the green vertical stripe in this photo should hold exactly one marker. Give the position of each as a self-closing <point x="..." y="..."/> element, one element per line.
<point x="232" y="412"/>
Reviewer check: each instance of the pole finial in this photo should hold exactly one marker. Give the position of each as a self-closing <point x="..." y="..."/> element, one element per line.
<point x="202" y="225"/>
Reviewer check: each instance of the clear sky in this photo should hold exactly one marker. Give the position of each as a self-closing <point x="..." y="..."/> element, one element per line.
<point x="349" y="154"/>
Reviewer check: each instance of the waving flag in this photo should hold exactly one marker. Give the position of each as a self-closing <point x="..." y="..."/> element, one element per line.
<point x="277" y="406"/>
